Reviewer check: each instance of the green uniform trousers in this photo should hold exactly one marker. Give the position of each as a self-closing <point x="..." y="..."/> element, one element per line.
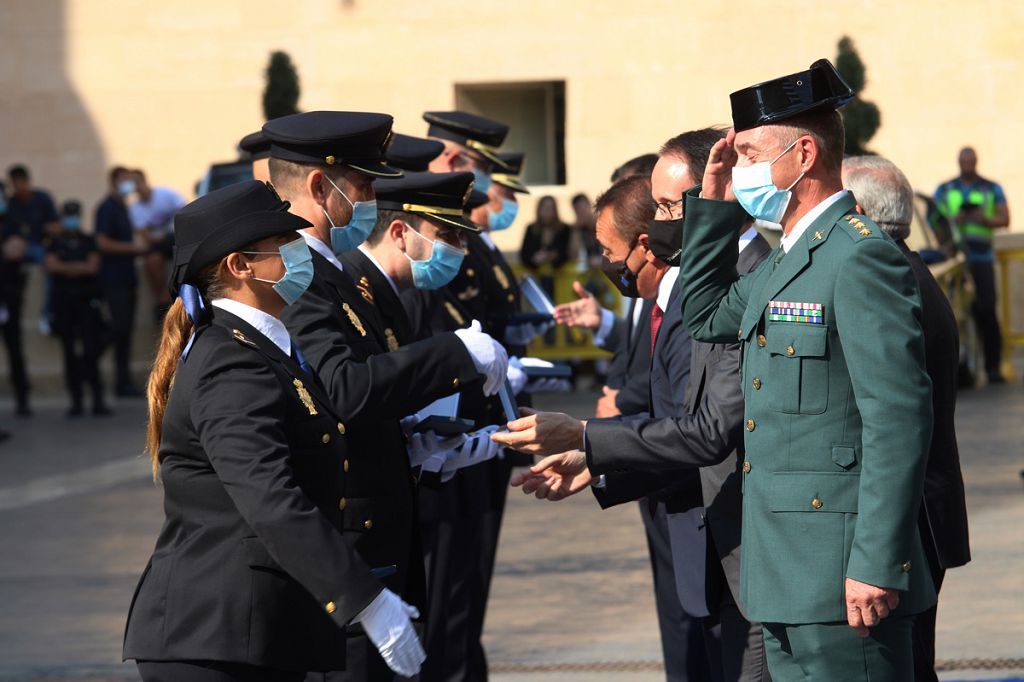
<point x="834" y="652"/>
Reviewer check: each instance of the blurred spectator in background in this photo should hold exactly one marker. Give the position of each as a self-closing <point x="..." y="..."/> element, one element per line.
<point x="977" y="207"/>
<point x="640" y="165"/>
<point x="13" y="252"/>
<point x="32" y="215"/>
<point x="152" y="215"/>
<point x="115" y="238"/>
<point x="73" y="261"/>
<point x="582" y="245"/>
<point x="547" y="237"/>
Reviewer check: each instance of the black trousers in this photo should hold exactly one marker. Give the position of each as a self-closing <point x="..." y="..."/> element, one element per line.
<point x="79" y="323"/>
<point x="121" y="300"/>
<point x="984" y="311"/>
<point x="212" y="671"/>
<point x="682" y="636"/>
<point x="924" y="624"/>
<point x="12" y="295"/>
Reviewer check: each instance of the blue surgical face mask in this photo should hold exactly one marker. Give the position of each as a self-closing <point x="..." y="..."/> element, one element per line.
<point x="440" y="268"/>
<point x="360" y="225"/>
<point x="757" y="193"/>
<point x="298" y="270"/>
<point x="482" y="181"/>
<point x="504" y="218"/>
<point x="126" y="187"/>
<point x="72" y="223"/>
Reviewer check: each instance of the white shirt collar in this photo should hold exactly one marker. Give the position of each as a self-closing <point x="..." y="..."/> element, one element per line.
<point x="665" y="287"/>
<point x="265" y="324"/>
<point x="366" y="252"/>
<point x="747" y="237"/>
<point x="788" y="240"/>
<point x="321" y="248"/>
<point x="486" y="237"/>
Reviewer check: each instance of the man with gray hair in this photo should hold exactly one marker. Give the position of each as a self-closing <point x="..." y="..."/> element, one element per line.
<point x="884" y="195"/>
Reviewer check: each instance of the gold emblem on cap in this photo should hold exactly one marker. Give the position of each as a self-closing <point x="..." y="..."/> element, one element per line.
<point x="304" y="396"/>
<point x="454" y="313"/>
<point x="389" y="336"/>
<point x="502" y="278"/>
<point x="330" y="160"/>
<point x="354" y="319"/>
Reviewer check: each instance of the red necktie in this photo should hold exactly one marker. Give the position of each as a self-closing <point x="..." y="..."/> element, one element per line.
<point x="656" y="315"/>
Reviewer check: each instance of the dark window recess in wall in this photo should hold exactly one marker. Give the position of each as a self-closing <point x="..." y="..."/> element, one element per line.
<point x="535" y="114"/>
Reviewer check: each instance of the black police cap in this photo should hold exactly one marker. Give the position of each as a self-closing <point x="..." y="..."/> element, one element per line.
<point x="438" y="197"/>
<point x="476" y="200"/>
<point x="480" y="134"/>
<point x="412" y="153"/>
<point x="256" y="145"/>
<point x="820" y="88"/>
<point x="227" y="220"/>
<point x="513" y="162"/>
<point x="355" y="139"/>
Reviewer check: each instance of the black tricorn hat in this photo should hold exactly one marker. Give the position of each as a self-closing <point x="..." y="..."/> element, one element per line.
<point x="412" y="153"/>
<point x="513" y="162"/>
<point x="481" y="134"/>
<point x="819" y="88"/>
<point x="227" y="220"/>
<point x="256" y="145"/>
<point x="438" y="197"/>
<point x="356" y="139"/>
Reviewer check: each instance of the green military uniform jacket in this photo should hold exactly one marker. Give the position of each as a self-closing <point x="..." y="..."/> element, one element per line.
<point x="838" y="413"/>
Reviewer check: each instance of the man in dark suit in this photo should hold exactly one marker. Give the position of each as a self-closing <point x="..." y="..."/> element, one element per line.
<point x="884" y="195"/>
<point x="645" y="456"/>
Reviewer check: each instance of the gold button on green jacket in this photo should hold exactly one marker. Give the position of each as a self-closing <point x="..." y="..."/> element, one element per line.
<point x="838" y="407"/>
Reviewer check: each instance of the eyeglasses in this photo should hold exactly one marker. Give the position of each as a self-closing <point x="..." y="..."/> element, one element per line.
<point x="669" y="210"/>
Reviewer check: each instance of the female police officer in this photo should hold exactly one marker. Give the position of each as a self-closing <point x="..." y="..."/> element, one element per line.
<point x="252" y="577"/>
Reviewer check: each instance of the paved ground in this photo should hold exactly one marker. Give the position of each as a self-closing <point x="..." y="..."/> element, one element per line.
<point x="78" y="516"/>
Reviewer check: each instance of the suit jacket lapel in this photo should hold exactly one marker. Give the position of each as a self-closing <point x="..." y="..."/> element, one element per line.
<point x="384" y="299"/>
<point x="347" y="291"/>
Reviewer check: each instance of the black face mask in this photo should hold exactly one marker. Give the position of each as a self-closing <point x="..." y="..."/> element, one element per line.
<point x="665" y="240"/>
<point x="621" y="277"/>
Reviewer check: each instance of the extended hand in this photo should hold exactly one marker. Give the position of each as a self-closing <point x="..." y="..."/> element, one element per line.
<point x="556" y="477"/>
<point x="584" y="312"/>
<point x="867" y="605"/>
<point x="542" y="433"/>
<point x="717" y="182"/>
<point x="606" y="406"/>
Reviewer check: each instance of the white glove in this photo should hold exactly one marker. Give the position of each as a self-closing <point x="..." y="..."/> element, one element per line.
<point x="422" y="446"/>
<point x="409" y="423"/>
<point x="523" y="333"/>
<point x="477" y="449"/>
<point x="516" y="376"/>
<point x="387" y="623"/>
<point x="548" y="385"/>
<point x="489" y="357"/>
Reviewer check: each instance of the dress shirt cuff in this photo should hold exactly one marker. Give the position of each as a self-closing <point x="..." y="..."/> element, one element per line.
<point x="605" y="328"/>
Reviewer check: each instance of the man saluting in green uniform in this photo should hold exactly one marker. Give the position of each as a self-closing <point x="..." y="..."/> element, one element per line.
<point x="837" y="403"/>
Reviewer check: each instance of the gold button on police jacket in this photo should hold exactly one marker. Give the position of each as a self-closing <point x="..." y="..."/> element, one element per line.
<point x="344" y="466"/>
<point x="761" y="340"/>
<point x="790" y="351"/>
<point x="746" y="467"/>
<point x="511" y="298"/>
<point x="330" y="607"/>
<point x="906" y="567"/>
<point x="368" y="524"/>
<point x="751" y="425"/>
<point x="816" y="503"/>
<point x="326" y="438"/>
<point x="341" y="428"/>
<point x="455" y="382"/>
<point x="342" y="503"/>
<point x="757" y="384"/>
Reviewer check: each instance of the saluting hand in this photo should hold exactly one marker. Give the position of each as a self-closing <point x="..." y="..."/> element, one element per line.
<point x="542" y="433"/>
<point x="867" y="605"/>
<point x="717" y="182"/>
<point x="584" y="312"/>
<point x="556" y="477"/>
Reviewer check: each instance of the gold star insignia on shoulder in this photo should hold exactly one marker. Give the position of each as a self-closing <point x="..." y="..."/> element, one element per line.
<point x="354" y="319"/>
<point x="389" y="336"/>
<point x="304" y="396"/>
<point x="864" y="231"/>
<point x="242" y="338"/>
<point x="365" y="289"/>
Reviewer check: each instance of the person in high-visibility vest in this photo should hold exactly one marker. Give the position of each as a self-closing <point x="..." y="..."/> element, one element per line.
<point x="977" y="207"/>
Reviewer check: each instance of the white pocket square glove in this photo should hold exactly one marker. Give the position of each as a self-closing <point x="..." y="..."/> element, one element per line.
<point x="387" y="622"/>
<point x="477" y="449"/>
<point x="489" y="356"/>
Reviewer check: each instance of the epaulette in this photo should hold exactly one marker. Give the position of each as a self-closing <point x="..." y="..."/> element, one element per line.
<point x="856" y="227"/>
